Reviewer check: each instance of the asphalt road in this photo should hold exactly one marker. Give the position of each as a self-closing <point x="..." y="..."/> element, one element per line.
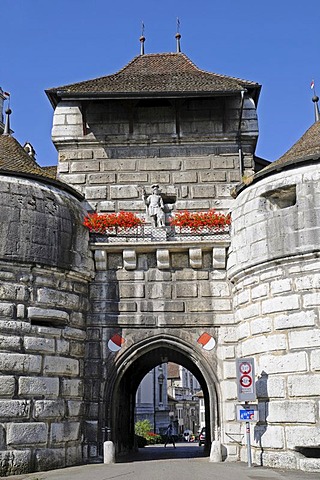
<point x="186" y="462"/>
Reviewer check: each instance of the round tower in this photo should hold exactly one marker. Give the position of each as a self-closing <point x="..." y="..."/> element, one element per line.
<point x="274" y="266"/>
<point x="44" y="273"/>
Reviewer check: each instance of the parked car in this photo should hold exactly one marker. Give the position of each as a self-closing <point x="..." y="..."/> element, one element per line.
<point x="202" y="436"/>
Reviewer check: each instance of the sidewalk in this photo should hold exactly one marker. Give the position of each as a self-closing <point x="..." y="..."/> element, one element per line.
<point x="186" y="462"/>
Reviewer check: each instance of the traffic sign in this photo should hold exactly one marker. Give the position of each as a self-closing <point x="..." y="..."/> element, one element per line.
<point x="245" y="379"/>
<point x="247" y="413"/>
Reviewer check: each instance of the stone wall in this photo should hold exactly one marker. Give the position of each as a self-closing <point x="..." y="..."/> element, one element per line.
<point x="166" y="294"/>
<point x="274" y="266"/>
<point x="196" y="171"/>
<point x="45" y="266"/>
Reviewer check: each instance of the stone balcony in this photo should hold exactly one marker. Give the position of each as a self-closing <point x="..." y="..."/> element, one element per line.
<point x="163" y="241"/>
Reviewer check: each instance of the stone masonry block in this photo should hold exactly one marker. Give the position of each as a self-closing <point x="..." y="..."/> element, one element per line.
<point x="280" y="304"/>
<point x="295" y="320"/>
<point x="64" y="432"/>
<point x="92" y="166"/>
<point x="61" y="366"/>
<point x="50" y="459"/>
<point x="268" y="437"/>
<point x="59" y="299"/>
<point x="35" y="386"/>
<point x="291" y="362"/>
<point x="280" y="286"/>
<point x="161" y="306"/>
<point x="218" y="258"/>
<point x="14" y="409"/>
<point x="27" y="433"/>
<point x="315" y="360"/>
<point x="193" y="163"/>
<point x="259" y="291"/>
<point x="213" y="176"/>
<point x="304" y="339"/>
<point x="71" y="387"/>
<point x="159" y="290"/>
<point x="6" y="310"/>
<point x="7" y="386"/>
<point x="8" y="342"/>
<point x="102" y="178"/>
<point x="203" y="191"/>
<point x="132" y="290"/>
<point x="302" y="436"/>
<point x="261" y="325"/>
<point x="214" y="289"/>
<point x="186" y="289"/>
<point x="130" y="178"/>
<point x="195" y="257"/>
<point x="119" y="164"/>
<point x="163" y="258"/>
<point x="184" y="177"/>
<point x="106" y="206"/>
<point x="39" y="344"/>
<point x="262" y="343"/>
<point x="20" y="363"/>
<point x="96" y="192"/>
<point x="129" y="259"/>
<point x="47" y="314"/>
<point x="124" y="191"/>
<point x="269" y="386"/>
<point x="45" y="409"/>
<point x="223" y="162"/>
<point x="289" y="412"/>
<point x="164" y="164"/>
<point x="307" y="385"/>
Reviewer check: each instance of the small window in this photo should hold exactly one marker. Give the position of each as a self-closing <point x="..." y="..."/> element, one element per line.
<point x="280" y="198"/>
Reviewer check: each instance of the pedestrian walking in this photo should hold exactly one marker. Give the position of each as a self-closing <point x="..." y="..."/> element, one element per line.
<point x="170" y="436"/>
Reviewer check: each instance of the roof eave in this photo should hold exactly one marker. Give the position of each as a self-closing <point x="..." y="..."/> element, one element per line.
<point x="272" y="169"/>
<point x="58" y="95"/>
<point x="48" y="180"/>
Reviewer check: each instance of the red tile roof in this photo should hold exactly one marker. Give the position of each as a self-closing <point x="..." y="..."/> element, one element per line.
<point x="161" y="73"/>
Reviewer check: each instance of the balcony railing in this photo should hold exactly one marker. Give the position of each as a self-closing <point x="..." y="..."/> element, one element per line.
<point x="147" y="233"/>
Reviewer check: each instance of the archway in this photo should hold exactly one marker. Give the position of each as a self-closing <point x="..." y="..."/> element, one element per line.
<point x="135" y="363"/>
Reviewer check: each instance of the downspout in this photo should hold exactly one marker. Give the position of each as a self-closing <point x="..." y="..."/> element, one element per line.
<point x="239" y="135"/>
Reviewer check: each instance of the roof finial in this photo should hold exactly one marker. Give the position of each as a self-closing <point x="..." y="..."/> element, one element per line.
<point x="178" y="36"/>
<point x="315" y="100"/>
<point x="7" y="124"/>
<point x="142" y="40"/>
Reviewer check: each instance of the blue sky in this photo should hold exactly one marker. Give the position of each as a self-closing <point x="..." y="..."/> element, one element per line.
<point x="50" y="43"/>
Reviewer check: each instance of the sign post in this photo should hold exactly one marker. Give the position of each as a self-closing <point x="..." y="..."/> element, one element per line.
<point x="246" y="393"/>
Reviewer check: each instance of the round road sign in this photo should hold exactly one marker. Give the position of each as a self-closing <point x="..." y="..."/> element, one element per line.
<point x="246" y="381"/>
<point x="245" y="367"/>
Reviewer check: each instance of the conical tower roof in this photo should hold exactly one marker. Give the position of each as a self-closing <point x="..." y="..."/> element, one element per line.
<point x="305" y="150"/>
<point x="160" y="74"/>
<point x="14" y="160"/>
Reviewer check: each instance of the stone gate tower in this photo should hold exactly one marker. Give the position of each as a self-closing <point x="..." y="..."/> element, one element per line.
<point x="159" y="120"/>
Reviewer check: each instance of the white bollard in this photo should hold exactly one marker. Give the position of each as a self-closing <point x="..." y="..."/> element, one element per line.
<point x="109" y="452"/>
<point x="215" y="452"/>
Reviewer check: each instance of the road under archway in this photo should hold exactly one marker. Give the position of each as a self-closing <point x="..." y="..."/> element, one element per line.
<point x="131" y="369"/>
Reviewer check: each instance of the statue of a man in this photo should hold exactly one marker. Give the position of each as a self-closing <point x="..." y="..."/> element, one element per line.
<point x="155" y="206"/>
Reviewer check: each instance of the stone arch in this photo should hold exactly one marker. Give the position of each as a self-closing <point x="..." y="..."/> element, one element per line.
<point x="131" y="367"/>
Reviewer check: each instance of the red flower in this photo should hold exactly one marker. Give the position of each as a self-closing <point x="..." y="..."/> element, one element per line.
<point x="198" y="221"/>
<point x="111" y="222"/>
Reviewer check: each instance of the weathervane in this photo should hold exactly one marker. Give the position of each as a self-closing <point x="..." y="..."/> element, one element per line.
<point x="178" y="36"/>
<point x="142" y="39"/>
<point x="315" y="100"/>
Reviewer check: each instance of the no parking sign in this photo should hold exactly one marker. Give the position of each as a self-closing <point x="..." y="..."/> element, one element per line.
<point x="245" y="379"/>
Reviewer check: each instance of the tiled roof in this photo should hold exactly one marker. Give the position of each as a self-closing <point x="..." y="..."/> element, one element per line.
<point x="306" y="149"/>
<point x="161" y="73"/>
<point x="14" y="158"/>
<point x="307" y="146"/>
<point x="51" y="169"/>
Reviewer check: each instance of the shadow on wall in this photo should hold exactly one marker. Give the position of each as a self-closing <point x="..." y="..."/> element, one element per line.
<point x="263" y="406"/>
